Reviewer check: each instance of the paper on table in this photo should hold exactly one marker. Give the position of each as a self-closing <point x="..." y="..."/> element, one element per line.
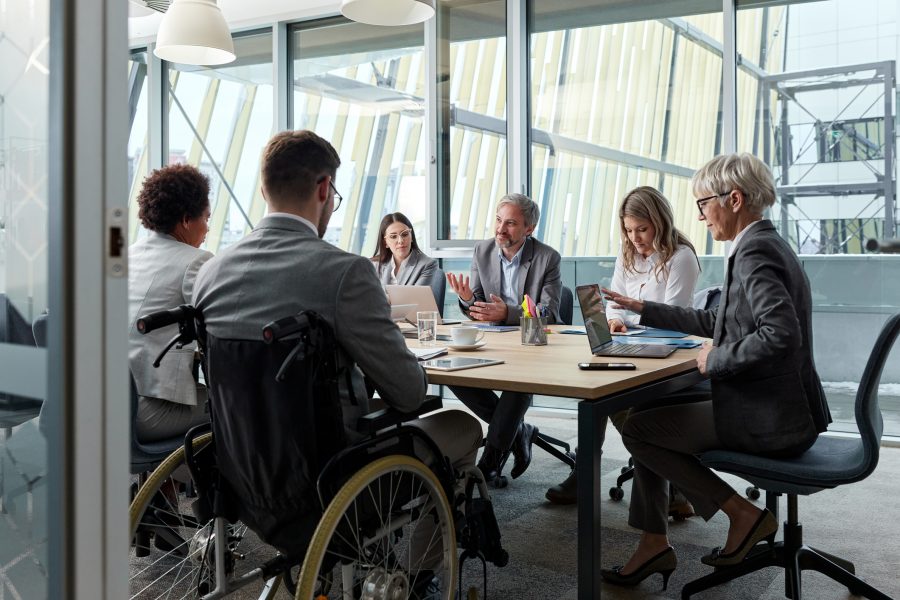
<point x="428" y="353"/>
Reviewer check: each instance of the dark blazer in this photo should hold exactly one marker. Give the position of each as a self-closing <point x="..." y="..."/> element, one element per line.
<point x="281" y="268"/>
<point x="538" y="277"/>
<point x="767" y="397"/>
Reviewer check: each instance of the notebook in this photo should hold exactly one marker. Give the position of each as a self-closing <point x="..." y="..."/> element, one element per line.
<point x="591" y="302"/>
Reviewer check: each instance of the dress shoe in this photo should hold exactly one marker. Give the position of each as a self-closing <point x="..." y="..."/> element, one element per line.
<point x="680" y="507"/>
<point x="565" y="492"/>
<point x="521" y="449"/>
<point x="765" y="528"/>
<point x="491" y="462"/>
<point x="663" y="563"/>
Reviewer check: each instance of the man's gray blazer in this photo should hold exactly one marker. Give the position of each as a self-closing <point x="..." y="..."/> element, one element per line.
<point x="767" y="397"/>
<point x="538" y="277"/>
<point x="161" y="273"/>
<point x="282" y="268"/>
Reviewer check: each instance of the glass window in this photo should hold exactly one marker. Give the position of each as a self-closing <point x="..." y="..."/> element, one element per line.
<point x="615" y="105"/>
<point x="138" y="141"/>
<point x="220" y="118"/>
<point x="362" y="88"/>
<point x="816" y="100"/>
<point x="471" y="92"/>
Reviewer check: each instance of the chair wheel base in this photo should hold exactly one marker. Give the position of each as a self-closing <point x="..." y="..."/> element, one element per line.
<point x="752" y="492"/>
<point x="616" y="493"/>
<point x="499" y="482"/>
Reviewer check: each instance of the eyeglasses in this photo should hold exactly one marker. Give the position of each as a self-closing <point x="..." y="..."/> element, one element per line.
<point x="337" y="197"/>
<point x="701" y="203"/>
<point x="395" y="236"/>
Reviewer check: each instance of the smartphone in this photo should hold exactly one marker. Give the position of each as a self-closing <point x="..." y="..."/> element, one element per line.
<point x="605" y="366"/>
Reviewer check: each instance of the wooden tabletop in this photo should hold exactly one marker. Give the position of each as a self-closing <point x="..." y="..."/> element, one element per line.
<point x="553" y="370"/>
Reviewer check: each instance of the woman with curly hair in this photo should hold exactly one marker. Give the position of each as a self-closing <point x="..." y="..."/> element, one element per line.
<point x="174" y="206"/>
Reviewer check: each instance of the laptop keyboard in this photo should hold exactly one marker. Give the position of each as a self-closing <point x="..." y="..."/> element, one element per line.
<point x="628" y="349"/>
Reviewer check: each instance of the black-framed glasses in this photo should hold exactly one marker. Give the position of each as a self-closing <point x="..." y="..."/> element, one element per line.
<point x="337" y="196"/>
<point x="702" y="201"/>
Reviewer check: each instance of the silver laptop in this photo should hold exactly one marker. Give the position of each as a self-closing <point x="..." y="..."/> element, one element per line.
<point x="420" y="297"/>
<point x="591" y="302"/>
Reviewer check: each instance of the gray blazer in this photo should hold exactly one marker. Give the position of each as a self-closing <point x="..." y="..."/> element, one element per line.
<point x="419" y="269"/>
<point x="538" y="277"/>
<point x="767" y="397"/>
<point x="161" y="273"/>
<point x="282" y="268"/>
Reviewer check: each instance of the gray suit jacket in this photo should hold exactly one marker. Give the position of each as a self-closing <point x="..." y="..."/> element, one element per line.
<point x="420" y="269"/>
<point x="161" y="273"/>
<point x="767" y="397"/>
<point x="538" y="277"/>
<point x="282" y="268"/>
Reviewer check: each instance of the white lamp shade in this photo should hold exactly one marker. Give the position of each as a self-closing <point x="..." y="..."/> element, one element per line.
<point x="388" y="12"/>
<point x="194" y="32"/>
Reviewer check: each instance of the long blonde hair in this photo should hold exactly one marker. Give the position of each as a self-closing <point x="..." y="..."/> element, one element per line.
<point x="647" y="204"/>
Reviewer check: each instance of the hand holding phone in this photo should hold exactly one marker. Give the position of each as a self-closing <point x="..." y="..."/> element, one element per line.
<point x="606" y="366"/>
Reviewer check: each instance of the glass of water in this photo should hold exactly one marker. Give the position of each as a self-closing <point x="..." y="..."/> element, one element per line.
<point x="427" y="321"/>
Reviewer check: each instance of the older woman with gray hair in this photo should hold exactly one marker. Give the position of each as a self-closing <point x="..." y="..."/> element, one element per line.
<point x="764" y="395"/>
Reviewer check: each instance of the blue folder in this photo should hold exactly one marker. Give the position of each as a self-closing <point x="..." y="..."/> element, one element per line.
<point x="660" y="333"/>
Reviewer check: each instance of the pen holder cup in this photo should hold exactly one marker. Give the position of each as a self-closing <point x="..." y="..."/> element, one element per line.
<point x="534" y="331"/>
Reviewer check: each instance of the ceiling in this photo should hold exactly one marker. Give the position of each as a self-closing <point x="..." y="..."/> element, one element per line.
<point x="242" y="14"/>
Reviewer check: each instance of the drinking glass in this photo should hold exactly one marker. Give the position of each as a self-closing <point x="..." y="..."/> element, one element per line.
<point x="427" y="323"/>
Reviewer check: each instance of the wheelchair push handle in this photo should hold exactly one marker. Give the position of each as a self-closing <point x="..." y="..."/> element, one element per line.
<point x="164" y="318"/>
<point x="282" y="328"/>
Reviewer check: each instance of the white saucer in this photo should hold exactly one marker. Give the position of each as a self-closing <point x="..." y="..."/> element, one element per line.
<point x="474" y="346"/>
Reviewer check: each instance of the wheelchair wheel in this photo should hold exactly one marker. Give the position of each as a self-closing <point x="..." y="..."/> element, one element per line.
<point x="363" y="543"/>
<point x="172" y="554"/>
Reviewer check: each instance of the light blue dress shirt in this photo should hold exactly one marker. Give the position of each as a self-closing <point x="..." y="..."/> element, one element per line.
<point x="509" y="276"/>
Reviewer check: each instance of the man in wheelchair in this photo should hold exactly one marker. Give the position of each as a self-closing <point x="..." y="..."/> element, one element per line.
<point x="270" y="446"/>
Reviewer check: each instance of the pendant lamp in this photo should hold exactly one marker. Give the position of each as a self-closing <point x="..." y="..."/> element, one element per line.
<point x="388" y="12"/>
<point x="194" y="32"/>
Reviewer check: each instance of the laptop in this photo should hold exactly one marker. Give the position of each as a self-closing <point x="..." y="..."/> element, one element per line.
<point x="591" y="302"/>
<point x="418" y="297"/>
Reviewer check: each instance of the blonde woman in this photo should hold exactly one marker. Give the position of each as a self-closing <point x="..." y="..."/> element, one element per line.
<point x="657" y="263"/>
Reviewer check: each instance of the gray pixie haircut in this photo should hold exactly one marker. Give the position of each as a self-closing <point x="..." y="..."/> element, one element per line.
<point x="529" y="207"/>
<point x="742" y="172"/>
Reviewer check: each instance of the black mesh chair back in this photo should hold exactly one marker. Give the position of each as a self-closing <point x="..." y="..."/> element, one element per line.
<point x="566" y="306"/>
<point x="439" y="287"/>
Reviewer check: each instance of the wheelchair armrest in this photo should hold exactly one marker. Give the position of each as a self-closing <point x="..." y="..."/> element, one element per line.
<point x="388" y="417"/>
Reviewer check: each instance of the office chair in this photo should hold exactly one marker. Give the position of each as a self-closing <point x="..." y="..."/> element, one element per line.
<point x="39" y="330"/>
<point x="566" y="306"/>
<point x="146" y="456"/>
<point x="439" y="288"/>
<point x="829" y="463"/>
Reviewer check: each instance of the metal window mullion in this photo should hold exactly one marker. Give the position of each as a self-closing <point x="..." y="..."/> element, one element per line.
<point x="282" y="77"/>
<point x="157" y="122"/>
<point x="517" y="147"/>
<point x="729" y="76"/>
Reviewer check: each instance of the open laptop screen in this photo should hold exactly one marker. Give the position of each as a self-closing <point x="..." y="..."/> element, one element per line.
<point x="591" y="302"/>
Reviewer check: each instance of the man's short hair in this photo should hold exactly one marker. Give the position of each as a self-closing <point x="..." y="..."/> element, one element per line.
<point x="529" y="208"/>
<point x="742" y="172"/>
<point x="294" y="162"/>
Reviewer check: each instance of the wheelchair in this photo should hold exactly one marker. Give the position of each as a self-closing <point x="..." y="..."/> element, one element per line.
<point x="387" y="521"/>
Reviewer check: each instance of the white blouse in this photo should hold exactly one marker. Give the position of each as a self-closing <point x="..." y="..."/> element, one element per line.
<point x="677" y="290"/>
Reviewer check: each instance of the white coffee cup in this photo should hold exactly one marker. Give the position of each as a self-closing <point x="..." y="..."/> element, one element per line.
<point x="466" y="336"/>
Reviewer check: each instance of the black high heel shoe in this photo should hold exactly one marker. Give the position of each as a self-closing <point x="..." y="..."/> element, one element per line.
<point x="765" y="528"/>
<point x="663" y="563"/>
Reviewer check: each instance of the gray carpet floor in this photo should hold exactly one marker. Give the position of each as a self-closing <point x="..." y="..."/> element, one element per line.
<point x="860" y="522"/>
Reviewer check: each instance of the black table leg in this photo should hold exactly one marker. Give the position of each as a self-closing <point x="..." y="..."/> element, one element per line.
<point x="590" y="441"/>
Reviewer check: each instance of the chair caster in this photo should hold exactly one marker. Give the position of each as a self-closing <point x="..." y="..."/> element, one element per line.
<point x="752" y="492"/>
<point x="499" y="482"/>
<point x="616" y="493"/>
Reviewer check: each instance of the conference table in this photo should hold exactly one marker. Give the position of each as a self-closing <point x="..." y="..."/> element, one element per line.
<point x="552" y="370"/>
